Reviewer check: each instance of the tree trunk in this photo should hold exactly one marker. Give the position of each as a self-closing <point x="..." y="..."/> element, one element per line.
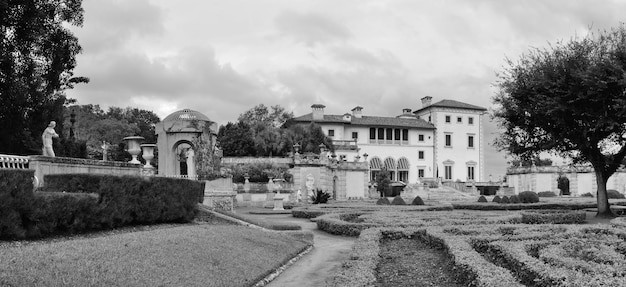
<point x="604" y="209"/>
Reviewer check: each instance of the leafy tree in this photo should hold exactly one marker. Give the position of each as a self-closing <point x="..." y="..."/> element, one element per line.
<point x="383" y="181"/>
<point x="37" y="57"/>
<point x="308" y="137"/>
<point x="537" y="161"/>
<point x="260" y="114"/>
<point x="236" y="140"/>
<point x="569" y="99"/>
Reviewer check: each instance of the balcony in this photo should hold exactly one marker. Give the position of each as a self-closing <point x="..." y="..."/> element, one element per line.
<point x="389" y="142"/>
<point x="345" y="144"/>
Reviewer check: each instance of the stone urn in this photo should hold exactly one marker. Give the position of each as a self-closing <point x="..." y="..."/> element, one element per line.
<point x="147" y="154"/>
<point x="133" y="147"/>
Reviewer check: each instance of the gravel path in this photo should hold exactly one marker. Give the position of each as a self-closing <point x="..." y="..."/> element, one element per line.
<point x="317" y="266"/>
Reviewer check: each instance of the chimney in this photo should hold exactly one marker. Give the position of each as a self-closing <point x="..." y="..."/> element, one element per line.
<point x="356" y="112"/>
<point x="318" y="112"/>
<point x="406" y="111"/>
<point x="426" y="101"/>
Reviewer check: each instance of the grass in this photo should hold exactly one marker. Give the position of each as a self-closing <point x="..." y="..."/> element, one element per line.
<point x="189" y="255"/>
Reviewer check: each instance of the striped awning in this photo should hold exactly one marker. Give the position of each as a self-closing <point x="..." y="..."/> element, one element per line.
<point x="403" y="164"/>
<point x="375" y="163"/>
<point x="390" y="164"/>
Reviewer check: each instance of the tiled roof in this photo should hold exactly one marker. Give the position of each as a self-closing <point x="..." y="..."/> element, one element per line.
<point x="370" y="121"/>
<point x="453" y="104"/>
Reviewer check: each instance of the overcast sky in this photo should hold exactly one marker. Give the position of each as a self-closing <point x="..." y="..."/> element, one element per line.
<point x="224" y="57"/>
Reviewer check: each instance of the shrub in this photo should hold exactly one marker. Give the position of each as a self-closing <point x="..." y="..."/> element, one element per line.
<point x="16" y="197"/>
<point x="398" y="201"/>
<point x="417" y="201"/>
<point x="587" y="194"/>
<point x="612" y="193"/>
<point x="497" y="199"/>
<point x="320" y="196"/>
<point x="505" y="200"/>
<point x="546" y="194"/>
<point x="259" y="172"/>
<point x="528" y="197"/>
<point x="482" y="199"/>
<point x="553" y="217"/>
<point x="382" y="201"/>
<point x="60" y="212"/>
<point x="514" y="199"/>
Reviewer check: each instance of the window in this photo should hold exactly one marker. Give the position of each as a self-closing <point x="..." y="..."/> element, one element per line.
<point x="381" y="133"/>
<point x="470" y="120"/>
<point x="405" y="134"/>
<point x="470" y="141"/>
<point x="403" y="176"/>
<point x="420" y="154"/>
<point x="470" y="173"/>
<point x="459" y="120"/>
<point x="355" y="135"/>
<point x="448" y="140"/>
<point x="389" y="134"/>
<point x="396" y="134"/>
<point x="420" y="137"/>
<point x="447" y="119"/>
<point x="420" y="173"/>
<point x="372" y="133"/>
<point x="331" y="133"/>
<point x="448" y="172"/>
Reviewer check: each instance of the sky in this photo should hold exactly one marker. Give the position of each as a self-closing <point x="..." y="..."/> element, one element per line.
<point x="222" y="58"/>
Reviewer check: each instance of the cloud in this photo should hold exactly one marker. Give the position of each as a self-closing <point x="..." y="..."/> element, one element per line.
<point x="310" y="28"/>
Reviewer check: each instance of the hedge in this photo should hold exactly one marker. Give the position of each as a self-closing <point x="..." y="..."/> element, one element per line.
<point x="16" y="197"/>
<point x="553" y="217"/>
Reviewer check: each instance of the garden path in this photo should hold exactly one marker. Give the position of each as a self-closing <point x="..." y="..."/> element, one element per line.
<point x="317" y="266"/>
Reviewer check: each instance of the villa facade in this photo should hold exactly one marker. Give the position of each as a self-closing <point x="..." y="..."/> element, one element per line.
<point x="438" y="141"/>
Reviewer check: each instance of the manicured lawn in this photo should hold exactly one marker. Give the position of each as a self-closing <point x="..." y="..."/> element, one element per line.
<point x="187" y="255"/>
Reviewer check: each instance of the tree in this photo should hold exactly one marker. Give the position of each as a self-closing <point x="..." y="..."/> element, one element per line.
<point x="236" y="140"/>
<point x="260" y="114"/>
<point x="537" y="161"/>
<point x="37" y="57"/>
<point x="568" y="99"/>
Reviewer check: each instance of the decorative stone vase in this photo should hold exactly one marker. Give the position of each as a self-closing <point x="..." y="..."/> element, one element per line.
<point x="147" y="154"/>
<point x="133" y="148"/>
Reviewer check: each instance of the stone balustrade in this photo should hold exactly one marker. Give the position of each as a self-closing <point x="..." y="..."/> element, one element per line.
<point x="13" y="161"/>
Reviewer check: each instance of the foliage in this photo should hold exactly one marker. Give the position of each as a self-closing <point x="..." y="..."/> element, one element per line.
<point x="417" y="201"/>
<point x="206" y="159"/>
<point x="546" y="194"/>
<point x="383" y="181"/>
<point x="612" y="193"/>
<point x="308" y="137"/>
<point x="259" y="172"/>
<point x="236" y="140"/>
<point x="482" y="199"/>
<point x="261" y="115"/>
<point x="553" y="217"/>
<point x="514" y="199"/>
<point x="528" y="197"/>
<point x="586" y="194"/>
<point x="536" y="161"/>
<point x="563" y="184"/>
<point x="497" y="199"/>
<point x="383" y="201"/>
<point x="16" y="197"/>
<point x="568" y="99"/>
<point x="37" y="58"/>
<point x="320" y="196"/>
<point x="505" y="200"/>
<point x="398" y="200"/>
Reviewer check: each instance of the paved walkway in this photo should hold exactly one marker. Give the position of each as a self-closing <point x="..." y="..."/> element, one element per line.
<point x="317" y="266"/>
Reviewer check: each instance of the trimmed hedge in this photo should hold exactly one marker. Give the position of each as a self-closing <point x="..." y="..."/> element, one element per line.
<point x="528" y="197"/>
<point x="612" y="193"/>
<point x="417" y="201"/>
<point x="16" y="197"/>
<point x="383" y="201"/>
<point x="546" y="194"/>
<point x="398" y="201"/>
<point x="505" y="200"/>
<point x="482" y="199"/>
<point x="553" y="217"/>
<point x="514" y="199"/>
<point x="496" y="199"/>
<point x="127" y="200"/>
<point x="62" y="212"/>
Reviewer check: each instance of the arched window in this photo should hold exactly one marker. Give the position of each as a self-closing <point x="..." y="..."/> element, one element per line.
<point x="403" y="170"/>
<point x="390" y="165"/>
<point x="375" y="166"/>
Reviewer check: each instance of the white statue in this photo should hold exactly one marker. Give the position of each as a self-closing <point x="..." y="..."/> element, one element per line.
<point x="191" y="167"/>
<point x="299" y="196"/>
<point x="46" y="137"/>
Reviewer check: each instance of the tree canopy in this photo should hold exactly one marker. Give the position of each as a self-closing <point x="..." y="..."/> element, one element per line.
<point x="568" y="99"/>
<point x="37" y="57"/>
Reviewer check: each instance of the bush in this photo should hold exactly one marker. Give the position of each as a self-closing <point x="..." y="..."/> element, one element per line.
<point x="259" y="172"/>
<point x="612" y="193"/>
<point x="16" y="197"/>
<point x="417" y="201"/>
<point x="505" y="200"/>
<point x="528" y="197"/>
<point x="546" y="194"/>
<point x="398" y="201"/>
<point x="482" y="199"/>
<point x="320" y="196"/>
<point x="553" y="217"/>
<point x="382" y="201"/>
<point x="588" y="194"/>
<point x="497" y="199"/>
<point x="60" y="212"/>
<point x="514" y="199"/>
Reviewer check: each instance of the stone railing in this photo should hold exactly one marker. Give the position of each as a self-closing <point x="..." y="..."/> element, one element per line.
<point x="13" y="161"/>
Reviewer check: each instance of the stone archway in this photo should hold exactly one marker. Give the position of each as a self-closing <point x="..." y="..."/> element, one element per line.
<point x="184" y="162"/>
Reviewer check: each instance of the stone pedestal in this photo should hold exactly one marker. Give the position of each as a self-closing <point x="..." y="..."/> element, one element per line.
<point x="278" y="203"/>
<point x="220" y="200"/>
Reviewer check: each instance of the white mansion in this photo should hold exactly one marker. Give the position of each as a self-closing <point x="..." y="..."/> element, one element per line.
<point x="441" y="140"/>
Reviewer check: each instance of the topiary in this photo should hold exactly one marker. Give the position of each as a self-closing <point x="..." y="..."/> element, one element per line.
<point x="546" y="194"/>
<point x="497" y="199"/>
<point x="505" y="200"/>
<point x="514" y="199"/>
<point x="588" y="194"/>
<point x="320" y="196"/>
<point x="482" y="199"/>
<point x="612" y="193"/>
<point x="528" y="197"/>
<point x="417" y="201"/>
<point x="382" y="201"/>
<point x="398" y="201"/>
